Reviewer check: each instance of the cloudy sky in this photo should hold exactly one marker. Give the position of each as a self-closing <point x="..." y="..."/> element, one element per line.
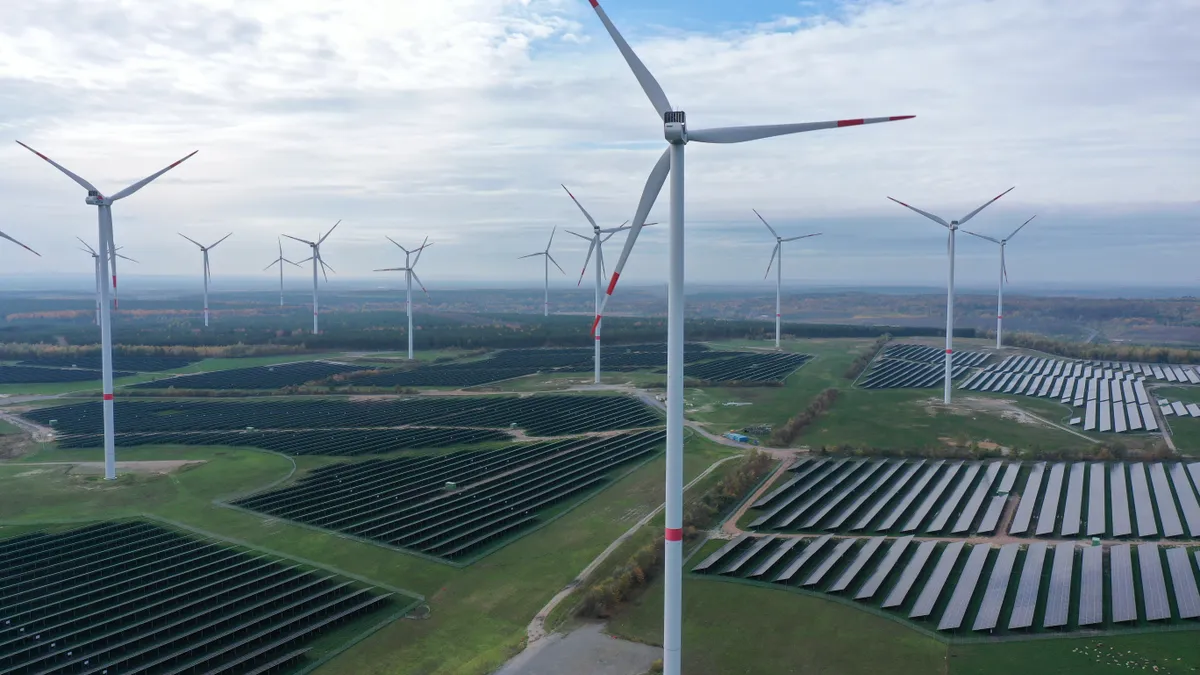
<point x="458" y="119"/>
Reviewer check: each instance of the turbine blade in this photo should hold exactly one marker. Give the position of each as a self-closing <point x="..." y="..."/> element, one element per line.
<point x="657" y="97"/>
<point x="87" y="246"/>
<point x="194" y="241"/>
<point x="322" y="239"/>
<point x="86" y="185"/>
<point x="532" y="255"/>
<point x="302" y="241"/>
<point x="1019" y="228"/>
<point x="1004" y="269"/>
<point x="964" y="219"/>
<point x="143" y="182"/>
<point x="600" y="258"/>
<point x="803" y="236"/>
<point x="764" y="222"/>
<point x="397" y="245"/>
<point x="414" y="275"/>
<point x="610" y="235"/>
<point x="20" y="244"/>
<point x="280" y="243"/>
<point x="292" y="263"/>
<point x="753" y="133"/>
<point x="551" y="239"/>
<point x="924" y="213"/>
<point x="424" y="245"/>
<point x="277" y="261"/>
<point x="326" y="266"/>
<point x="302" y="261"/>
<point x="586" y="260"/>
<point x="580" y="235"/>
<point x="393" y="269"/>
<point x="654" y="184"/>
<point x="551" y="259"/>
<point x="774" y="252"/>
<point x="981" y="236"/>
<point x="587" y="215"/>
<point x="125" y="257"/>
<point x="212" y="246"/>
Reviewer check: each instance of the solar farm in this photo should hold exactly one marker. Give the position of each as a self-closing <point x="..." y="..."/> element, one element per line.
<point x="254" y="377"/>
<point x="911" y="366"/>
<point x="1112" y="395"/>
<point x="134" y="597"/>
<point x="36" y="374"/>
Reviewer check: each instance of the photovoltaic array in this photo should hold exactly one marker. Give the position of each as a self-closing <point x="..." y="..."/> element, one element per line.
<point x="916" y="366"/>
<point x="133" y="597"/>
<point x="38" y="375"/>
<point x="255" y="377"/>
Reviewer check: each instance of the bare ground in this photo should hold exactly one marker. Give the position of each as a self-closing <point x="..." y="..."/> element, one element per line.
<point x="162" y="466"/>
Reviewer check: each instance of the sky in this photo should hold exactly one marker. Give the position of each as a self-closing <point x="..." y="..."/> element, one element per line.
<point x="459" y="119"/>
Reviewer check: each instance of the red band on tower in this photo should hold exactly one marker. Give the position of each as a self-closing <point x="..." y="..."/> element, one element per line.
<point x="108" y="397"/>
<point x="949" y="351"/>
<point x="674" y="534"/>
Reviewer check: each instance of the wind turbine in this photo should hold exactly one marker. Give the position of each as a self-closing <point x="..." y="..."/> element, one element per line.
<point x="316" y="260"/>
<point x="951" y="228"/>
<point x="409" y="274"/>
<point x="777" y="252"/>
<point x="549" y="259"/>
<point x="207" y="271"/>
<point x="599" y="236"/>
<point x="104" y="208"/>
<point x="677" y="135"/>
<point x="279" y="261"/>
<point x="96" y="259"/>
<point x="1003" y="276"/>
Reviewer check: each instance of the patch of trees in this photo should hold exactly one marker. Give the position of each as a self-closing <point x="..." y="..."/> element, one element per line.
<point x="784" y="435"/>
<point x="1105" y="352"/>
<point x="864" y="359"/>
<point x="604" y="597"/>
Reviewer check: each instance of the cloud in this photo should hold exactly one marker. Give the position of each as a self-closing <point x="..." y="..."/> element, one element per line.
<point x="459" y="118"/>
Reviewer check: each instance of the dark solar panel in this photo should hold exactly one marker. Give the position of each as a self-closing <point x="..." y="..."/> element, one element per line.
<point x="887" y="496"/>
<point x="965" y="479"/>
<point x="991" y="517"/>
<point x="1119" y="501"/>
<point x="917" y="488"/>
<point x="721" y="553"/>
<point x="884" y="569"/>
<point x="1046" y="519"/>
<point x="1074" y="504"/>
<point x="854" y="506"/>
<point x="1027" y="591"/>
<point x="1029" y="496"/>
<point x="1091" y="587"/>
<point x="864" y="554"/>
<point x="931" y="497"/>
<point x="963" y="523"/>
<point x="1121" y="579"/>
<point x="844" y="494"/>
<point x="811" y="548"/>
<point x="1154" y="587"/>
<point x="741" y="559"/>
<point x="1096" y="489"/>
<point x="775" y="557"/>
<point x="1142" y="508"/>
<point x="1187" y="499"/>
<point x="827" y="564"/>
<point x="933" y="587"/>
<point x="997" y="587"/>
<point x="911" y="571"/>
<point x="1187" y="598"/>
<point x="965" y="588"/>
<point x="1167" y="514"/>
<point x="1058" y="598"/>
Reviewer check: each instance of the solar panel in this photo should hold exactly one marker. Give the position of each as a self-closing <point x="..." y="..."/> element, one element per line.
<point x="1119" y="499"/>
<point x="864" y="555"/>
<point x="1049" y="512"/>
<point x="956" y="609"/>
<point x="885" y="567"/>
<point x="721" y="552"/>
<point x="1091" y="587"/>
<point x="1102" y="389"/>
<point x="960" y="488"/>
<point x="1095" y="515"/>
<point x="1127" y="392"/>
<point x="854" y="506"/>
<point x="830" y="560"/>
<point x="1034" y="385"/>
<point x="1010" y="478"/>
<point x="1029" y="496"/>
<point x="1135" y="417"/>
<point x="1118" y="393"/>
<point x="845" y="493"/>
<point x="1167" y="514"/>
<point x="819" y="492"/>
<point x="907" y="500"/>
<point x="1058" y="598"/>
<point x="1074" y="504"/>
<point x="814" y="477"/>
<point x="1118" y="417"/>
<point x="1068" y="387"/>
<point x="1047" y="383"/>
<point x="1106" y="416"/>
<point x="997" y="586"/>
<point x="933" y="587"/>
<point x="1018" y="384"/>
<point x="1078" y="370"/>
<point x="800" y="470"/>
<point x="1058" y="368"/>
<point x="1121" y="581"/>
<point x="1187" y="499"/>
<point x="1187" y="598"/>
<point x="751" y="551"/>
<point x="1179" y="409"/>
<point x="1154" y="588"/>
<point x="1027" y="590"/>
<point x="1139" y="391"/>
<point x="766" y="565"/>
<point x="911" y="571"/>
<point x="922" y="511"/>
<point x="976" y="500"/>
<point x="1142" y="510"/>
<point x="1089" y="415"/>
<point x="887" y="496"/>
<point x="1148" y="419"/>
<point x="811" y="548"/>
<point x="991" y="517"/>
<point x="1193" y="410"/>
<point x="1092" y="390"/>
<point x="1158" y="372"/>
<point x="1056" y="391"/>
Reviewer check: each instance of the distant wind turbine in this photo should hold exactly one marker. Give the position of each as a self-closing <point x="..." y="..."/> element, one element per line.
<point x="1003" y="277"/>
<point x="104" y="207"/>
<point x="96" y="259"/>
<point x="951" y="227"/>
<point x="410" y="273"/>
<point x="777" y="252"/>
<point x="316" y="261"/>
<point x="549" y="259"/>
<point x="279" y="261"/>
<point x="207" y="271"/>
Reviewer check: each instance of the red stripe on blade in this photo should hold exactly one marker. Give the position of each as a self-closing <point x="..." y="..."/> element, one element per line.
<point x="595" y="323"/>
<point x="595" y="4"/>
<point x="900" y="117"/>
<point x="674" y="534"/>
<point x="849" y="123"/>
<point x="613" y="284"/>
<point x="108" y="397"/>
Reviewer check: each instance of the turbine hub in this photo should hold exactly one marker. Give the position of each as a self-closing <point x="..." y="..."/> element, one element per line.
<point x="94" y="198"/>
<point x="675" y="127"/>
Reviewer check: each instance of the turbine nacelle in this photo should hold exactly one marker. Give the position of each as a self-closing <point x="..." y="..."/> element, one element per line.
<point x="675" y="126"/>
<point x="94" y="198"/>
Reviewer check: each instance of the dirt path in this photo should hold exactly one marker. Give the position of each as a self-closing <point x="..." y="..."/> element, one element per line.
<point x="144" y="466"/>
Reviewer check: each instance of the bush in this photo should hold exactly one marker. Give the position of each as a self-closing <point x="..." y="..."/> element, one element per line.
<point x="863" y="360"/>
<point x="783" y="436"/>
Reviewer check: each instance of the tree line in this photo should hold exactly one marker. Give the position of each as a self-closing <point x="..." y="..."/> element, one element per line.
<point x="860" y="362"/>
<point x="783" y="436"/>
<point x="1102" y="352"/>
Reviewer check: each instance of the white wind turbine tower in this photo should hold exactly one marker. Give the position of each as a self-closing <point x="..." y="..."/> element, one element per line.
<point x="677" y="135"/>
<point x="777" y="252"/>
<point x="410" y="273"/>
<point x="549" y="259"/>
<point x="316" y="261"/>
<point x="96" y="260"/>
<point x="1003" y="276"/>
<point x="279" y="261"/>
<point x="207" y="271"/>
<point x="104" y="207"/>
<point x="951" y="228"/>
